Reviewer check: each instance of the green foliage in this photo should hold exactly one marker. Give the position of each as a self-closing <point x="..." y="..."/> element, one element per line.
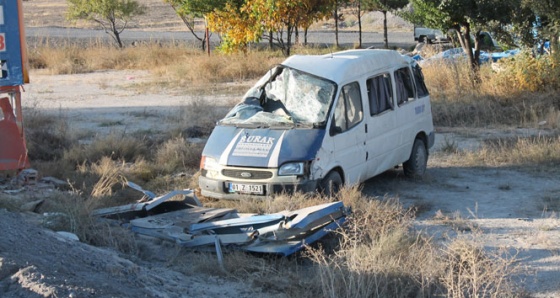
<point x="196" y="8"/>
<point x="470" y="17"/>
<point x="189" y="10"/>
<point x="112" y="15"/>
<point x="549" y="19"/>
<point x="383" y="5"/>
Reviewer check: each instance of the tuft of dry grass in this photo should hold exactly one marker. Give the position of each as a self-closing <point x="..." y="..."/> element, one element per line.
<point x="47" y="136"/>
<point x="379" y="256"/>
<point x="458" y="99"/>
<point x="177" y="154"/>
<point x="522" y="151"/>
<point x="471" y="271"/>
<point x="197" y="118"/>
<point x="114" y="145"/>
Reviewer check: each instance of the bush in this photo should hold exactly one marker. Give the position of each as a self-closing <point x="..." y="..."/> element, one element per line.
<point x="527" y="73"/>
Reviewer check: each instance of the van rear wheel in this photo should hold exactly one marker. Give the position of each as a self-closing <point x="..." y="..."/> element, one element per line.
<point x="331" y="184"/>
<point x="416" y="165"/>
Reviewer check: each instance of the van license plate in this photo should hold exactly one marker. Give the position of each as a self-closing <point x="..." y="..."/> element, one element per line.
<point x="246" y="188"/>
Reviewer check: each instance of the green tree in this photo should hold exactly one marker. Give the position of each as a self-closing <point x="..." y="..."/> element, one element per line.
<point x="549" y="19"/>
<point x="384" y="6"/>
<point x="190" y="10"/>
<point x="469" y="18"/>
<point x="112" y="15"/>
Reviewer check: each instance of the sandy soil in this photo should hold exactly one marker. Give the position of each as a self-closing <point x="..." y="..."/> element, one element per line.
<point x="500" y="208"/>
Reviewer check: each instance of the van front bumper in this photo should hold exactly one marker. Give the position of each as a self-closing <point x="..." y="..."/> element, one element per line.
<point x="219" y="188"/>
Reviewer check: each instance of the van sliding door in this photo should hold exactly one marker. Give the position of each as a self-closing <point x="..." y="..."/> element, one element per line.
<point x="382" y="133"/>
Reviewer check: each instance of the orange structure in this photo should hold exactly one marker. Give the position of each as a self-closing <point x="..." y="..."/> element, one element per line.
<point x="13" y="62"/>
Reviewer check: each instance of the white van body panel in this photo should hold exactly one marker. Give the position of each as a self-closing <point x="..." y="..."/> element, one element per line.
<point x="371" y="143"/>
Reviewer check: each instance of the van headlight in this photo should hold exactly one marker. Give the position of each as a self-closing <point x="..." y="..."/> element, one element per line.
<point x="292" y="168"/>
<point x="209" y="163"/>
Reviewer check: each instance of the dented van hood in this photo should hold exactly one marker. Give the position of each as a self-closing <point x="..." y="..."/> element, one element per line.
<point x="262" y="147"/>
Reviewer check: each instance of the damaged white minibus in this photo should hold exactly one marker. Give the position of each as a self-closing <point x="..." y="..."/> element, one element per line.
<point x="317" y="122"/>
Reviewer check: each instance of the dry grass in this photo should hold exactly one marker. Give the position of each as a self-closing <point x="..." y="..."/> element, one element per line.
<point x="197" y="118"/>
<point x="177" y="154"/>
<point x="507" y="97"/>
<point x="176" y="66"/>
<point x="471" y="271"/>
<point x="528" y="152"/>
<point x="379" y="256"/>
<point x="376" y="254"/>
<point x="115" y="145"/>
<point x="47" y="136"/>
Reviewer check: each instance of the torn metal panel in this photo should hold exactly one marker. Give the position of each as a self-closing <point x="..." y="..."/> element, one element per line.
<point x="251" y="222"/>
<point x="307" y="216"/>
<point x="141" y="209"/>
<point x="281" y="233"/>
<point x="286" y="248"/>
<point x="137" y="187"/>
<point x="201" y="240"/>
<point x="182" y="218"/>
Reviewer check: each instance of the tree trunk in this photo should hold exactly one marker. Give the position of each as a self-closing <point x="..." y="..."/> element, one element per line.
<point x="305" y="36"/>
<point x="289" y="40"/>
<point x="385" y="39"/>
<point x="477" y="44"/>
<point x="359" y="25"/>
<point x="467" y="47"/>
<point x="554" y="44"/>
<point x="296" y="30"/>
<point x="336" y="23"/>
<point x="190" y="27"/>
<point x="117" y="37"/>
<point x="270" y="40"/>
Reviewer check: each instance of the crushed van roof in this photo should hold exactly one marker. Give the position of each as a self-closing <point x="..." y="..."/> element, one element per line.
<point x="344" y="66"/>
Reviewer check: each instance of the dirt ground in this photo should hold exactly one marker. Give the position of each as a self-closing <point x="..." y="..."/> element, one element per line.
<point x="501" y="208"/>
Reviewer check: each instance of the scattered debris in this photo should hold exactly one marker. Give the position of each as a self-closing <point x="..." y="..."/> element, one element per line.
<point x="452" y="55"/>
<point x="68" y="236"/>
<point x="32" y="206"/>
<point x="26" y="177"/>
<point x="191" y="225"/>
<point x="55" y="182"/>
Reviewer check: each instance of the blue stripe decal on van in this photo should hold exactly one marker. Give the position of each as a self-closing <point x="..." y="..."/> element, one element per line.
<point x="265" y="148"/>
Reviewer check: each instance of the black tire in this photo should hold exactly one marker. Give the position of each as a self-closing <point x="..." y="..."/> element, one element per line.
<point x="416" y="165"/>
<point x="331" y="184"/>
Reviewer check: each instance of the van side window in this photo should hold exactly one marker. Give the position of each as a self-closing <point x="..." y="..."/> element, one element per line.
<point x="405" y="87"/>
<point x="419" y="80"/>
<point x="380" y="93"/>
<point x="348" y="111"/>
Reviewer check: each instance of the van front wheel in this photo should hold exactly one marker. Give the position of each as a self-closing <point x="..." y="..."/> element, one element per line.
<point x="416" y="165"/>
<point x="331" y="184"/>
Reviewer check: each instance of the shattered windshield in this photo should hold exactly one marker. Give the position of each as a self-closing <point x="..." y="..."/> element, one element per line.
<point x="284" y="96"/>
